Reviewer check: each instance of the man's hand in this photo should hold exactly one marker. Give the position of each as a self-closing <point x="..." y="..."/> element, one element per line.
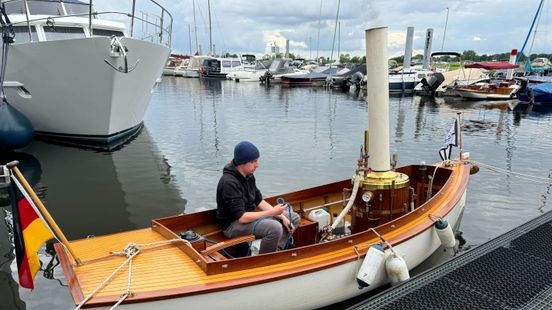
<point x="278" y="209"/>
<point x="287" y="223"/>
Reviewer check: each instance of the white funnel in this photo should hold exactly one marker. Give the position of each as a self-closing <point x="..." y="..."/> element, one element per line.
<point x="378" y="98"/>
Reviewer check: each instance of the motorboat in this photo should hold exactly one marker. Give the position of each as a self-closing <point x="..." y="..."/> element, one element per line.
<point x="248" y="74"/>
<point x="78" y="76"/>
<point x="406" y="80"/>
<point x="191" y="70"/>
<point x="174" y="65"/>
<point x="219" y="68"/>
<point x="315" y="78"/>
<point x="535" y="92"/>
<point x="184" y="261"/>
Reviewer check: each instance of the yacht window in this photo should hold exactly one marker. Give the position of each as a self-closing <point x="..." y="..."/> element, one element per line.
<point x="45" y="8"/>
<point x="236" y="63"/>
<point x="16" y="7"/>
<point x="77" y="8"/>
<point x="62" y="33"/>
<point x="226" y="63"/>
<point x="107" y="33"/>
<point x="35" y="7"/>
<point x="22" y="34"/>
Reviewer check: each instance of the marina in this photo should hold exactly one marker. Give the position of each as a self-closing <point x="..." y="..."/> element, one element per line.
<point x="139" y="218"/>
<point x="186" y="165"/>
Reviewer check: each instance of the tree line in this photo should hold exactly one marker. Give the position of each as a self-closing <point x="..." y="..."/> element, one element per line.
<point x="469" y="55"/>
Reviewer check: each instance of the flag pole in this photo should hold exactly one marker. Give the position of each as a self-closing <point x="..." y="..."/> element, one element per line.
<point x="13" y="166"/>
<point x="459" y="129"/>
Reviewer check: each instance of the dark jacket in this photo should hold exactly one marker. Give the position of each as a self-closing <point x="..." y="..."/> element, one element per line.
<point x="236" y="195"/>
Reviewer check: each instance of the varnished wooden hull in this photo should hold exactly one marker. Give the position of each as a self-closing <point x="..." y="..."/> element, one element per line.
<point x="169" y="276"/>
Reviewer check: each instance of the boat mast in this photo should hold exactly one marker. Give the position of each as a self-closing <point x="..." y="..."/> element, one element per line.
<point x="210" y="32"/>
<point x="338" y="39"/>
<point x="190" y="38"/>
<point x="195" y="28"/>
<point x="445" y="32"/>
<point x="335" y="30"/>
<point x="318" y="38"/>
<point x="529" y="33"/>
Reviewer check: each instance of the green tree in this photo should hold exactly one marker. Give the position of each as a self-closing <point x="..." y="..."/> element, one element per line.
<point x="469" y="55"/>
<point x="345" y="58"/>
<point x="356" y="60"/>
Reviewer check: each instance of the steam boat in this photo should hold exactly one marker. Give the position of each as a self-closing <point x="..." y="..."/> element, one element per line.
<point x="387" y="221"/>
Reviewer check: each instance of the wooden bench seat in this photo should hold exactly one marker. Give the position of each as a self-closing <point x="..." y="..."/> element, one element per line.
<point x="225" y="244"/>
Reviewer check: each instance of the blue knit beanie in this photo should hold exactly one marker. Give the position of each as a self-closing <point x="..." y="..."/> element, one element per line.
<point x="245" y="152"/>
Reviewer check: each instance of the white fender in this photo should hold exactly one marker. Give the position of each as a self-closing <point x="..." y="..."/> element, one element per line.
<point x="444" y="231"/>
<point x="396" y="269"/>
<point x="373" y="262"/>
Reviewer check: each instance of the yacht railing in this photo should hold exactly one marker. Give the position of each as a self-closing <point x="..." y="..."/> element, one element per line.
<point x="161" y="24"/>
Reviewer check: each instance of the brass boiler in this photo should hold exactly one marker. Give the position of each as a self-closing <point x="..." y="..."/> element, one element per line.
<point x="382" y="197"/>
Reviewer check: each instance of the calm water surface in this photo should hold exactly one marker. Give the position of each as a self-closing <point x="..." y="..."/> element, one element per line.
<point x="307" y="137"/>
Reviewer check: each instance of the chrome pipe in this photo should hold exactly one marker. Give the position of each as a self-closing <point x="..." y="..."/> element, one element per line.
<point x="90" y="19"/>
<point x="28" y="22"/>
<point x="132" y="18"/>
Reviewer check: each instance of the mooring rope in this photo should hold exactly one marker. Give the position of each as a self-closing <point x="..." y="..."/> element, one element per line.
<point x="535" y="179"/>
<point x="130" y="251"/>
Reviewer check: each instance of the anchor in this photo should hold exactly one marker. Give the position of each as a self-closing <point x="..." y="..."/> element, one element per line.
<point x="118" y="47"/>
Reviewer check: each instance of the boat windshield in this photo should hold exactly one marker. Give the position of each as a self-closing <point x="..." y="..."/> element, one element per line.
<point x="74" y="8"/>
<point x="63" y="33"/>
<point x="35" y="8"/>
<point x="22" y="34"/>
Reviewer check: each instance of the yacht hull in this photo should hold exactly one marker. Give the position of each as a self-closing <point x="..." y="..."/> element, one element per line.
<point x="69" y="89"/>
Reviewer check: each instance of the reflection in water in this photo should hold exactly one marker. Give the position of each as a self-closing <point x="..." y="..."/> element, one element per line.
<point x="419" y="101"/>
<point x="9" y="294"/>
<point x="121" y="190"/>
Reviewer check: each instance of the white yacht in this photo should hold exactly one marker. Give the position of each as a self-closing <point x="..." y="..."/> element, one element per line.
<point x="77" y="75"/>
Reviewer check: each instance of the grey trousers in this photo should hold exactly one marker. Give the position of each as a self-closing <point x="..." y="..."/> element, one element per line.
<point x="269" y="229"/>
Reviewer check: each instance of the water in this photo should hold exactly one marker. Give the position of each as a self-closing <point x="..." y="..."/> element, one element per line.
<point x="307" y="137"/>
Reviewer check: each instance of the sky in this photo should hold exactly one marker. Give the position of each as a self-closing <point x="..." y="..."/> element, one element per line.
<point x="240" y="26"/>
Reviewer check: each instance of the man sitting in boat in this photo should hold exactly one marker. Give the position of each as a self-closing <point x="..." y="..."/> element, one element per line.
<point x="241" y="209"/>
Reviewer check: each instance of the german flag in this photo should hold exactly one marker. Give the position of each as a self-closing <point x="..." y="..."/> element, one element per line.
<point x="29" y="231"/>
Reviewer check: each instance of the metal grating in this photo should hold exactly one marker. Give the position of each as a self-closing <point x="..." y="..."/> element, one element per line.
<point x="513" y="271"/>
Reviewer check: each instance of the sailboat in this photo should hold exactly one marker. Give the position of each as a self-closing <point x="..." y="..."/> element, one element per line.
<point x="537" y="85"/>
<point x="384" y="216"/>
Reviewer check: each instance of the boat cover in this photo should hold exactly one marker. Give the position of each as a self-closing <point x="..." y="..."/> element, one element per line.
<point x="492" y="65"/>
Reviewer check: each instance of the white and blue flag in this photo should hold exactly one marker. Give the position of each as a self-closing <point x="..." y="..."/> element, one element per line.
<point x="450" y="141"/>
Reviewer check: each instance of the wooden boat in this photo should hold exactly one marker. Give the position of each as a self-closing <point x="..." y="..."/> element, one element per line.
<point x="198" y="274"/>
<point x="488" y="89"/>
<point x="491" y="89"/>
<point x="183" y="261"/>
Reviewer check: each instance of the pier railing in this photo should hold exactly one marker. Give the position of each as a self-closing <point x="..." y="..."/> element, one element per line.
<point x="156" y="27"/>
